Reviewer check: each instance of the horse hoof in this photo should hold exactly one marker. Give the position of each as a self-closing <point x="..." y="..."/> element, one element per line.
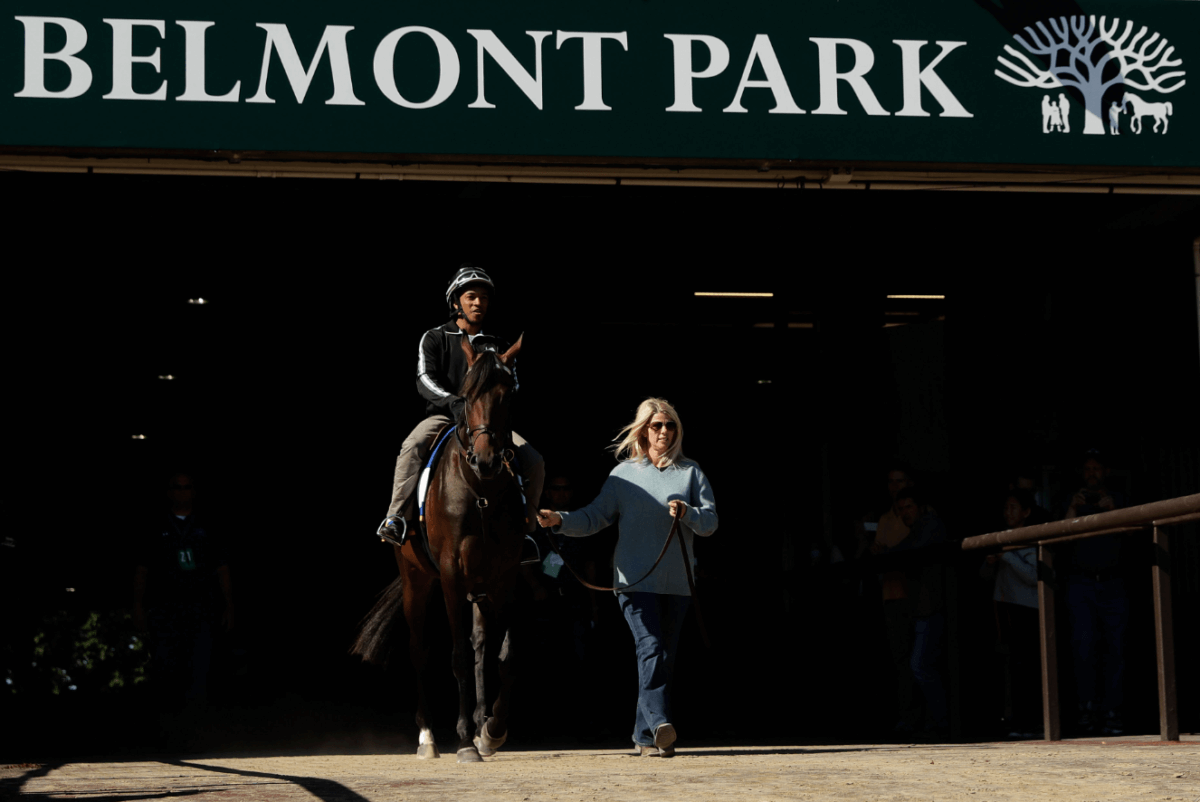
<point x="428" y="751"/>
<point x="486" y="743"/>
<point x="469" y="754"/>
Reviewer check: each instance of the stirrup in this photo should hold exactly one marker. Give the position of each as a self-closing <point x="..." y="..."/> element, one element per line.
<point x="537" y="560"/>
<point x="385" y="536"/>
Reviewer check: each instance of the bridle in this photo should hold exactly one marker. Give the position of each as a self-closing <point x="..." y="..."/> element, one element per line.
<point x="468" y="445"/>
<point x="498" y="438"/>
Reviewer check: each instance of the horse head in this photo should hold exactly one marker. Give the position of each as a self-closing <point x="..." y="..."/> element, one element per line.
<point x="487" y="390"/>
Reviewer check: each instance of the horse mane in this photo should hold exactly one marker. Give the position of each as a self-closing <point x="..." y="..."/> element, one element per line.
<point x="483" y="375"/>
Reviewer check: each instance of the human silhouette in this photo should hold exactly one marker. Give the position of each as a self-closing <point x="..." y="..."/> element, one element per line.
<point x="1048" y="112"/>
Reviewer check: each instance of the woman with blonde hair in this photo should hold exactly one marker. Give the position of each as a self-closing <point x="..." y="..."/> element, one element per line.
<point x="652" y="483"/>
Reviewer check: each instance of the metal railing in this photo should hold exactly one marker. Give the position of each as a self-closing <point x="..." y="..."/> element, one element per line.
<point x="1154" y="516"/>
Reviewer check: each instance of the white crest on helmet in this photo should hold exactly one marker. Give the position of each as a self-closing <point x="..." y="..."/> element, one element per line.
<point x="465" y="276"/>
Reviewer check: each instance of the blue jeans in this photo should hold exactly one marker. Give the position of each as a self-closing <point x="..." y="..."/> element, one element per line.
<point x="926" y="668"/>
<point x="656" y="621"/>
<point x="1099" y="612"/>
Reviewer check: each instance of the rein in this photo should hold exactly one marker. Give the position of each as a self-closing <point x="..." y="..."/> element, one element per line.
<point x="687" y="567"/>
<point x="481" y="502"/>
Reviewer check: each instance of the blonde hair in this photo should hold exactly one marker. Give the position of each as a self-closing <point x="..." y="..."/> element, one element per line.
<point x="631" y="441"/>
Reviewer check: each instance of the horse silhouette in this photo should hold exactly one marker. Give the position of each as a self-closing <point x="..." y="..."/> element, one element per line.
<point x="1159" y="111"/>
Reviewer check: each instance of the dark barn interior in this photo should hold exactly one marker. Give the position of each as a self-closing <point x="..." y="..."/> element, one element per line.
<point x="1068" y="322"/>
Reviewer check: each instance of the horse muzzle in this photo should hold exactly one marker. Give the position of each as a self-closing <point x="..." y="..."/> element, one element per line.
<point x="486" y="466"/>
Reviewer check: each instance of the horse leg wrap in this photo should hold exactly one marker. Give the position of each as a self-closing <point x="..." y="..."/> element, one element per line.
<point x="485" y="743"/>
<point x="427" y="748"/>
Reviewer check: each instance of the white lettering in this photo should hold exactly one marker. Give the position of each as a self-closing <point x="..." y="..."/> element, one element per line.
<point x="765" y="54"/>
<point x="718" y="53"/>
<point x="593" y="83"/>
<point x="334" y="39"/>
<point x="123" y="59"/>
<point x="385" y="73"/>
<point x="531" y="85"/>
<point x="864" y="59"/>
<point x="913" y="76"/>
<point x="194" y="77"/>
<point x="36" y="57"/>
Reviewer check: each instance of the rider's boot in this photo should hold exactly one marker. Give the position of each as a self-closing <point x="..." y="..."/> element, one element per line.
<point x="394" y="529"/>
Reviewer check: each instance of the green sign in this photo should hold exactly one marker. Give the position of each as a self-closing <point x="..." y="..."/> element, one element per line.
<point x="945" y="81"/>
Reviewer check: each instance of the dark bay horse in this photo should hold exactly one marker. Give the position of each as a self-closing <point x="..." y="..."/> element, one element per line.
<point x="476" y="522"/>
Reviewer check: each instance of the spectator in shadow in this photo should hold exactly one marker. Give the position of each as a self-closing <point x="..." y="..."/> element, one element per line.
<point x="182" y="591"/>
<point x="1017" y="629"/>
<point x="925" y="588"/>
<point x="1097" y="606"/>
<point x="1027" y="480"/>
<point x="890" y="532"/>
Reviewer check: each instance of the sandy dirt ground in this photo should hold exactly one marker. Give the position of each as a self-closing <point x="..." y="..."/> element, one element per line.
<point x="1084" y="771"/>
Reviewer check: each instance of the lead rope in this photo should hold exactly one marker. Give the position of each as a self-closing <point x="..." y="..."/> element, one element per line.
<point x="687" y="566"/>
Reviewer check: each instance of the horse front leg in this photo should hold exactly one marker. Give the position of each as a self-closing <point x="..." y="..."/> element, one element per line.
<point x="497" y="725"/>
<point x="417" y="587"/>
<point x="461" y="661"/>
<point x="479" y="643"/>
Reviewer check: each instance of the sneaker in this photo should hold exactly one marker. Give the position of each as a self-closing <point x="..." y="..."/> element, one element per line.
<point x="1087" y="723"/>
<point x="654" y="751"/>
<point x="1112" y="724"/>
<point x="664" y="735"/>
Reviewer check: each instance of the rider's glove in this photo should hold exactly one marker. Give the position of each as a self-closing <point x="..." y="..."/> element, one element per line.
<point x="457" y="405"/>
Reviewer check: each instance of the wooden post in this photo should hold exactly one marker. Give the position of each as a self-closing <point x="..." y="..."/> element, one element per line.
<point x="1046" y="587"/>
<point x="1164" y="637"/>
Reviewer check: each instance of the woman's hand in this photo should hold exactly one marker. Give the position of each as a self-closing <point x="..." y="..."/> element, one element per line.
<point x="548" y="518"/>
<point x="677" y="507"/>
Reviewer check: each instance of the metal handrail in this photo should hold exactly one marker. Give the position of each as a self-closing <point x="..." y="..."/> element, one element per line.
<point x="1155" y="516"/>
<point x="1158" y="513"/>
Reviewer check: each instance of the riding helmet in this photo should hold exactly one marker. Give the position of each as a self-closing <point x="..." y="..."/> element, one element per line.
<point x="467" y="274"/>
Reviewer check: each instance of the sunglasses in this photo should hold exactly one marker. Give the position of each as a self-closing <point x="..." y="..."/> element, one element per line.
<point x="656" y="425"/>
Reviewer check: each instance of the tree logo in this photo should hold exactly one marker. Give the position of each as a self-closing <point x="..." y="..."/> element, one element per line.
<point x="1100" y="60"/>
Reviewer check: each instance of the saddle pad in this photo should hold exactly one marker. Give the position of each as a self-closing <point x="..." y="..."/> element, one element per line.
<point x="427" y="474"/>
<point x="427" y="471"/>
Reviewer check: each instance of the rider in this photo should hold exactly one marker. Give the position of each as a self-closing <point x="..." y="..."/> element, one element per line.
<point x="441" y="367"/>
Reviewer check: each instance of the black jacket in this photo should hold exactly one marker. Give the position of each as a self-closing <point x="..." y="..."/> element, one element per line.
<point x="442" y="366"/>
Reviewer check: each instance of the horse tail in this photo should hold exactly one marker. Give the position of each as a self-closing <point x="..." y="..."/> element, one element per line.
<point x="376" y="633"/>
<point x="1169" y="112"/>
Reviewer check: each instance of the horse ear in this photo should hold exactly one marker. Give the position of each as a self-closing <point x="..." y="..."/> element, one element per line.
<point x="468" y="350"/>
<point x="511" y="353"/>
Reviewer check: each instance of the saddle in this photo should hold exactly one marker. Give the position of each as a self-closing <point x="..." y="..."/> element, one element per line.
<point x="421" y="533"/>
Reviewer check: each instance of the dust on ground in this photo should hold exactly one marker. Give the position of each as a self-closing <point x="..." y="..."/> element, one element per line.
<point x="1073" y="771"/>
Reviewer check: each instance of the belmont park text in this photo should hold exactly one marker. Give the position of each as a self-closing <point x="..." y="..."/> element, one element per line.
<point x="840" y="67"/>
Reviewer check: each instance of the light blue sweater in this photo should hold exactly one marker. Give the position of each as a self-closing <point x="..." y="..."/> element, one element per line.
<point x="636" y="495"/>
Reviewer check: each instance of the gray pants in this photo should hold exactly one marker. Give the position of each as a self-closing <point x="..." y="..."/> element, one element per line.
<point x="415" y="452"/>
